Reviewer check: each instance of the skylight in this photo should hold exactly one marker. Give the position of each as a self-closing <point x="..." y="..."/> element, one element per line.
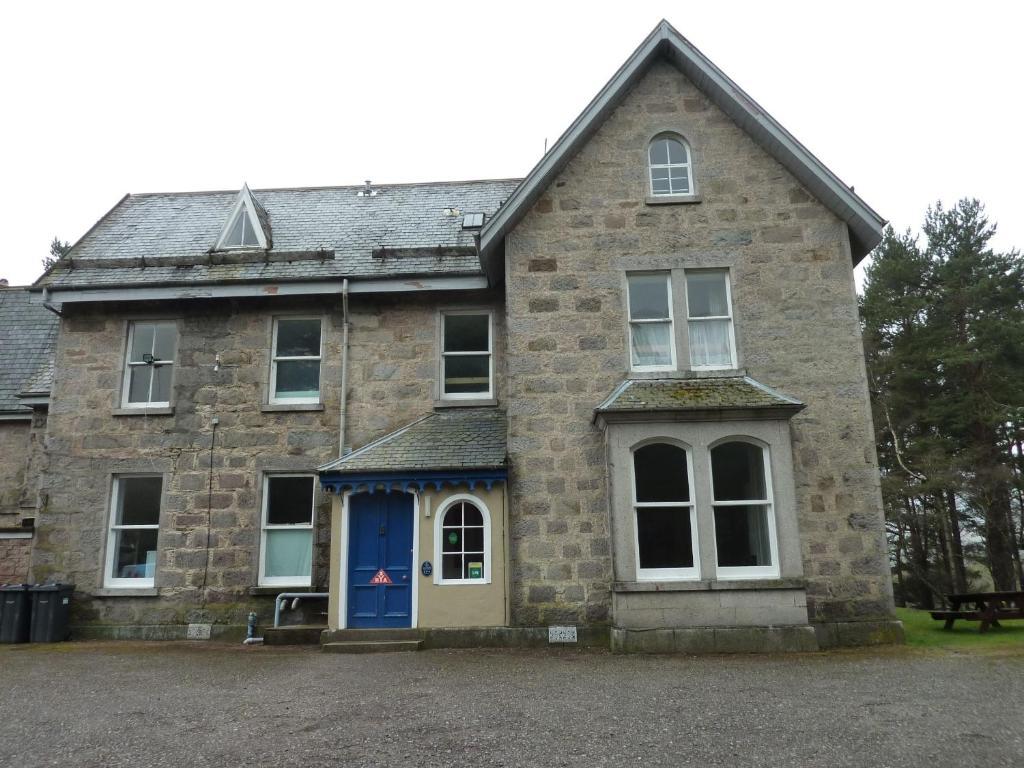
<point x="473" y="221"/>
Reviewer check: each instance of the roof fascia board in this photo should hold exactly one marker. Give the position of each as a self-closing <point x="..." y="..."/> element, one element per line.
<point x="866" y="223"/>
<point x="25" y="416"/>
<point x="246" y="290"/>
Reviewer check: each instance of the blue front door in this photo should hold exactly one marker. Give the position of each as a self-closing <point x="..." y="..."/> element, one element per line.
<point x="380" y="560"/>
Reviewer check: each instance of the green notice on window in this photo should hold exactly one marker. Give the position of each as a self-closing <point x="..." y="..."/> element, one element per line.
<point x="476" y="570"/>
<point x="453" y="538"/>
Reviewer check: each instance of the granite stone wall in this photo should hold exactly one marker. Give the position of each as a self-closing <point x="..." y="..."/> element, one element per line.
<point x="15" y="437"/>
<point x="796" y="328"/>
<point x="210" y="516"/>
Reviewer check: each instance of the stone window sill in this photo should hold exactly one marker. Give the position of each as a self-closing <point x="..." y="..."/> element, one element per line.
<point x="278" y="590"/>
<point x="284" y="407"/>
<point x="686" y="373"/>
<point x="705" y="585"/>
<point x="483" y="402"/>
<point x="672" y="199"/>
<point x="126" y="592"/>
<point x="144" y="411"/>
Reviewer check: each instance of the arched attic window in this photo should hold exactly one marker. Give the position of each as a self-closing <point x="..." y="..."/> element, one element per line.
<point x="670" y="169"/>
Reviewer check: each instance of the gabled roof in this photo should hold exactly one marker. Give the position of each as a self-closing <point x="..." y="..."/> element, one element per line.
<point x="28" y="335"/>
<point x="319" y="233"/>
<point x="248" y="206"/>
<point x="865" y="225"/>
<point x="449" y="439"/>
<point x="697" y="397"/>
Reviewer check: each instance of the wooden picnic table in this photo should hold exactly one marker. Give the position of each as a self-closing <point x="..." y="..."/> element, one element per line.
<point x="986" y="607"/>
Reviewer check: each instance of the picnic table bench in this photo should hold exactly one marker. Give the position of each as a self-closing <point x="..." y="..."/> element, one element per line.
<point x="986" y="607"/>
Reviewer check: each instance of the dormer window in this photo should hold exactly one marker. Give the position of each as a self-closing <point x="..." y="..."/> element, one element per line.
<point x="670" y="168"/>
<point x="248" y="225"/>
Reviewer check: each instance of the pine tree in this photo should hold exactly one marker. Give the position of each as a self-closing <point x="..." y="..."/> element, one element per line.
<point x="58" y="250"/>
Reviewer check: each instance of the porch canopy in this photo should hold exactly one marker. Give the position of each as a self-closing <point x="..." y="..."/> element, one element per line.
<point x="451" y="446"/>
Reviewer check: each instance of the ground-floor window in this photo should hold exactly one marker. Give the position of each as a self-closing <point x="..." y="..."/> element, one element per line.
<point x="666" y="527"/>
<point x="744" y="530"/>
<point x="133" y="531"/>
<point x="286" y="546"/>
<point x="463" y="542"/>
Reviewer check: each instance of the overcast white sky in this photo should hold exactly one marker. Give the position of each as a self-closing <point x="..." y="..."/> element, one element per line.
<point x="909" y="102"/>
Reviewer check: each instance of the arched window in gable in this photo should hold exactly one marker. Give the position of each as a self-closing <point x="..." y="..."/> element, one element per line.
<point x="669" y="165"/>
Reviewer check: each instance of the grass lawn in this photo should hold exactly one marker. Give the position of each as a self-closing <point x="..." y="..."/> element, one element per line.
<point x="922" y="631"/>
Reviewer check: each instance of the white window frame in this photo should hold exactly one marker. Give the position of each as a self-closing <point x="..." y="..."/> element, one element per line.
<point x="285" y="581"/>
<point x="109" y="580"/>
<point x="126" y="379"/>
<point x="732" y="324"/>
<point x="665" y="574"/>
<point x="244" y="206"/>
<point x="442" y="510"/>
<point x="489" y="394"/>
<point x="747" y="571"/>
<point x="688" y="165"/>
<point x="275" y="359"/>
<point x="670" y="320"/>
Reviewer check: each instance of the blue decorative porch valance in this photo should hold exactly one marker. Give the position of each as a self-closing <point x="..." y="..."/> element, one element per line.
<point x="387" y="482"/>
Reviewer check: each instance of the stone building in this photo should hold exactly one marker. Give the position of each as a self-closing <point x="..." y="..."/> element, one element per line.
<point x="625" y="394"/>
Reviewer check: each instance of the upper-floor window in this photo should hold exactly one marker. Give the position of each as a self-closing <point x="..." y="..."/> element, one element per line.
<point x="650" y="322"/>
<point x="295" y="364"/>
<point x="744" y="522"/>
<point x="666" y="521"/>
<point x="670" y="168"/>
<point x="709" y="319"/>
<point x="467" y="363"/>
<point x="242" y="233"/>
<point x="149" y="364"/>
<point x="133" y="530"/>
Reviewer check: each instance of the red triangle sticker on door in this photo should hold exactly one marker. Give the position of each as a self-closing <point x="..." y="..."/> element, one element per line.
<point x="381" y="577"/>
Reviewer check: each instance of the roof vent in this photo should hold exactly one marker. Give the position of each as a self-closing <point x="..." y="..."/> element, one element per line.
<point x="472" y="221"/>
<point x="367" y="191"/>
<point x="452" y="212"/>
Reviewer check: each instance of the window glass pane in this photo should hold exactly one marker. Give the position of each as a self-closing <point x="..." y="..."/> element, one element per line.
<point x="676" y="151"/>
<point x="737" y="471"/>
<point x="660" y="472"/>
<point x="161" y="383"/>
<point x="451" y="539"/>
<point x="467" y="373"/>
<point x="138" y="383"/>
<point x="648" y="297"/>
<point x="663" y="534"/>
<point x="659" y="152"/>
<point x="466" y="333"/>
<point x="451" y="567"/>
<point x="298" y="378"/>
<point x="289" y="500"/>
<point x="289" y="553"/>
<point x="138" y="500"/>
<point x="248" y="233"/>
<point x="474" y="541"/>
<point x="163" y="346"/>
<point x="453" y="516"/>
<point x="710" y="343"/>
<point x="298" y="338"/>
<point x="142" y="341"/>
<point x="660" y="187"/>
<point x="236" y="235"/>
<point x="706" y="295"/>
<point x="741" y="536"/>
<point x="473" y="515"/>
<point x="651" y="343"/>
<point x="135" y="554"/>
<point x="680" y="181"/>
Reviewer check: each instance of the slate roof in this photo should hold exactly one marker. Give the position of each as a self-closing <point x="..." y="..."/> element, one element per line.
<point x="713" y="394"/>
<point x="28" y="335"/>
<point x="168" y="230"/>
<point x="452" y="438"/>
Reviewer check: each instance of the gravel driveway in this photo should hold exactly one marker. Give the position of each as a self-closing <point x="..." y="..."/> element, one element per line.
<point x="176" y="704"/>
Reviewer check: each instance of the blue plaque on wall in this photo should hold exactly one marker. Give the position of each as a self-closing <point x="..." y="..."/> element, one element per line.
<point x="427" y="568"/>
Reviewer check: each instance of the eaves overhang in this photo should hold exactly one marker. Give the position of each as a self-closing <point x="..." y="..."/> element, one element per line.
<point x="865" y="225"/>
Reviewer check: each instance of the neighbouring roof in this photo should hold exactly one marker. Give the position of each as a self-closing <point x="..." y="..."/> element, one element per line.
<point x="318" y="233"/>
<point x="865" y="224"/>
<point x="28" y="335"/>
<point x="448" y="439"/>
<point x="740" y="393"/>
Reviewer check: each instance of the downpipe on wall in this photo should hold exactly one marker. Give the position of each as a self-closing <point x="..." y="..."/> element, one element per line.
<point x="343" y="398"/>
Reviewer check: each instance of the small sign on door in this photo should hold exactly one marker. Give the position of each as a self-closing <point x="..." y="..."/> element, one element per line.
<point x="381" y="577"/>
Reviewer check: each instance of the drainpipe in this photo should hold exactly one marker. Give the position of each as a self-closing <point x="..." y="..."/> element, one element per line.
<point x="343" y="408"/>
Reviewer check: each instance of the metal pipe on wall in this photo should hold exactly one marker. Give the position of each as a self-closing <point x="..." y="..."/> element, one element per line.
<point x="343" y="407"/>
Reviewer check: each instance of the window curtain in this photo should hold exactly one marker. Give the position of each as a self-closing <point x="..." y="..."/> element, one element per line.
<point x="651" y="344"/>
<point x="757" y="535"/>
<point x="289" y="553"/>
<point x="709" y="343"/>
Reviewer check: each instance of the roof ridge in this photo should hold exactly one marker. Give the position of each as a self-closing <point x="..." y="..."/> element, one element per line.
<point x="327" y="187"/>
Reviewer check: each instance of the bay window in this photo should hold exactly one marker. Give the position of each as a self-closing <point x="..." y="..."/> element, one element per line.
<point x="664" y="514"/>
<point x="742" y="503"/>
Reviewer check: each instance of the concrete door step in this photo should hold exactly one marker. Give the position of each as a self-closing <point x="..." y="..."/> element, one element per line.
<point x="296" y="634"/>
<point x="372" y="646"/>
<point x="342" y="635"/>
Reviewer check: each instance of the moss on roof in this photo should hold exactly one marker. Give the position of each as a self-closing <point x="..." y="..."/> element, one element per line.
<point x="726" y="393"/>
